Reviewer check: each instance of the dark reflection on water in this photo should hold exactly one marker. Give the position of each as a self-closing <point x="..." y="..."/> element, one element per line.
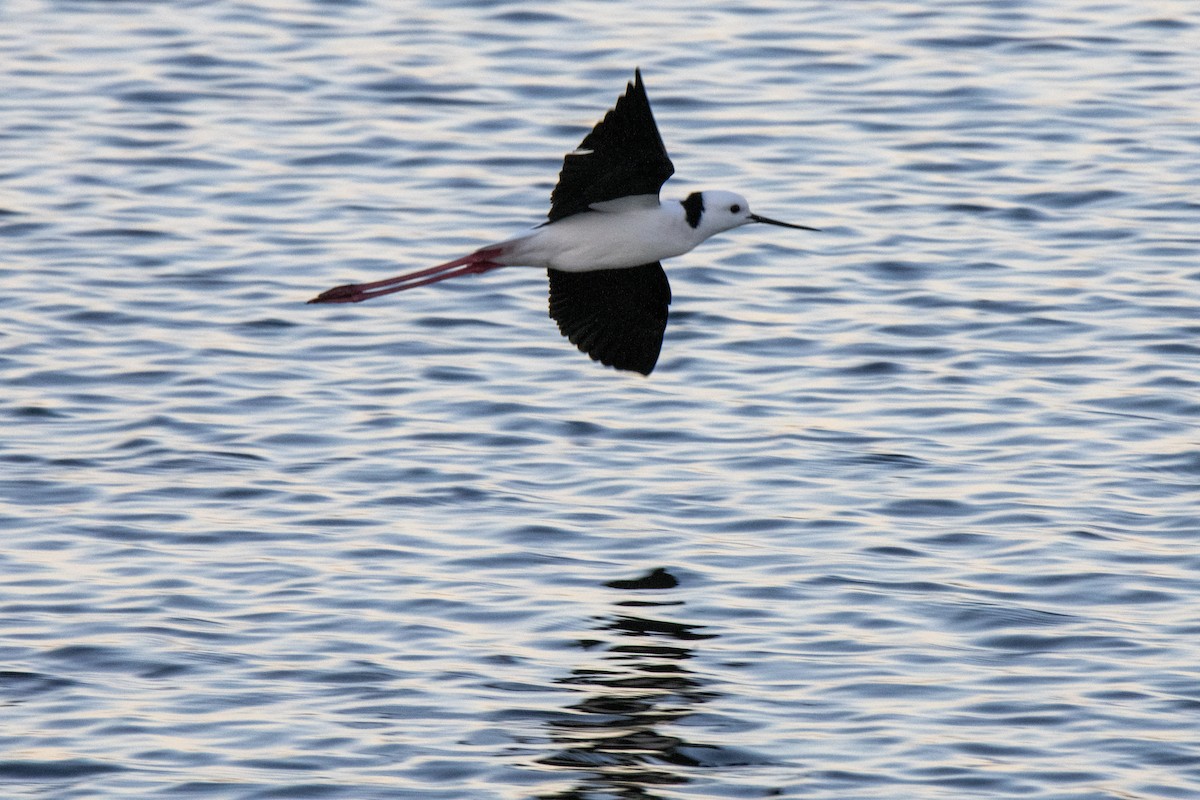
<point x="615" y="735"/>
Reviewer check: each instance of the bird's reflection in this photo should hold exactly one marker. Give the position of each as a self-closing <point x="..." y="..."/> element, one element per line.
<point x="614" y="733"/>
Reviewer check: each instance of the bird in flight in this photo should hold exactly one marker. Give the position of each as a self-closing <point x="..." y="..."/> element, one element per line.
<point x="604" y="241"/>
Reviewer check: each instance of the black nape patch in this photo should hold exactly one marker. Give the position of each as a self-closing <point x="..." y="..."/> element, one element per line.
<point x="694" y="207"/>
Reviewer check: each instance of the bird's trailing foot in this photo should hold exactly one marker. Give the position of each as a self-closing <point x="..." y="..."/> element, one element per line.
<point x="347" y="293"/>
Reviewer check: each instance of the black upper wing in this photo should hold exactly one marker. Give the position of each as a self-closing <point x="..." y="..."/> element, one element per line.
<point x="623" y="155"/>
<point x="616" y="316"/>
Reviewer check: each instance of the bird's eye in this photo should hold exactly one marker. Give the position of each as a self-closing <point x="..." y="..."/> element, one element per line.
<point x="735" y="209"/>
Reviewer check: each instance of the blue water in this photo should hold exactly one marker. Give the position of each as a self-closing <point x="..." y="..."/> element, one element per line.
<point x="909" y="509"/>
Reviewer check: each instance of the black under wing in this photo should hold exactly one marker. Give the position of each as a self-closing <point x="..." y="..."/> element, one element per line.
<point x="616" y="316"/>
<point x="624" y="155"/>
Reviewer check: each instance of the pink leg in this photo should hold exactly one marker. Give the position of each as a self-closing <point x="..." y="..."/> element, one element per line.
<point x="473" y="264"/>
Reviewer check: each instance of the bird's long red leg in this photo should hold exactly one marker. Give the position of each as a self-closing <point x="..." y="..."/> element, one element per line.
<point x="479" y="261"/>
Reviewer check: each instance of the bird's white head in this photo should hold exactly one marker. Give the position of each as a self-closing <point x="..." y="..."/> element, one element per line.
<point x="711" y="212"/>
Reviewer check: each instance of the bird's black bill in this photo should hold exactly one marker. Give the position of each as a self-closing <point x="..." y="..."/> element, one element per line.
<point x="770" y="221"/>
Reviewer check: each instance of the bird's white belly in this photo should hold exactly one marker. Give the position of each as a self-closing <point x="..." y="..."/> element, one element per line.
<point x="598" y="240"/>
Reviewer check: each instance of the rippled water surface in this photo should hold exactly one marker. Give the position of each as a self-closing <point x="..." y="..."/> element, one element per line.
<point x="910" y="508"/>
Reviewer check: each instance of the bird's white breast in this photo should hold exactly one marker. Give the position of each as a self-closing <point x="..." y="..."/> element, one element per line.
<point x="619" y="234"/>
